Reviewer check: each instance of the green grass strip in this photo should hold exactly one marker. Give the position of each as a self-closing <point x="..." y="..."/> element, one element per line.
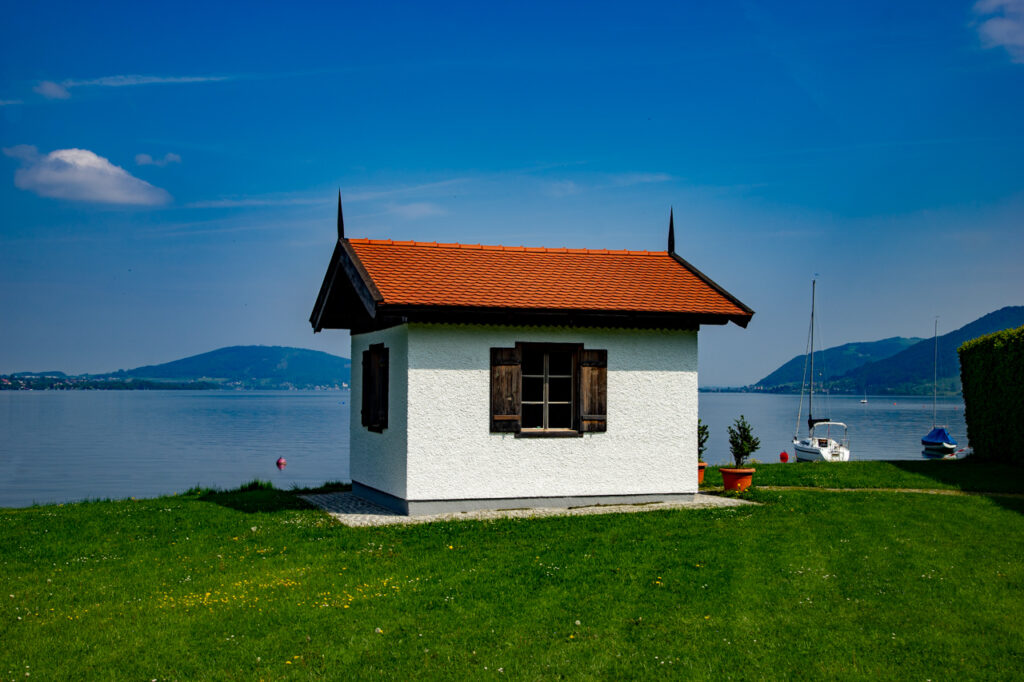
<point x="254" y="585"/>
<point x="967" y="475"/>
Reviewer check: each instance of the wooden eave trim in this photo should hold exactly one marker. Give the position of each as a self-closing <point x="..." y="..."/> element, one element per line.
<point x="358" y="270"/>
<point x="546" y="317"/>
<point x="741" y="320"/>
<point x="325" y="289"/>
<point x="345" y="259"/>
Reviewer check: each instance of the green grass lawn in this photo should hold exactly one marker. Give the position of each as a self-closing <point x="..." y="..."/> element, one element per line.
<point x="965" y="474"/>
<point x="254" y="585"/>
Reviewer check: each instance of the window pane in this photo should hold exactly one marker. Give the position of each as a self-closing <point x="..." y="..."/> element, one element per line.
<point x="559" y="416"/>
<point x="533" y="389"/>
<point x="533" y="416"/>
<point x="560" y="362"/>
<point x="533" y="361"/>
<point x="559" y="390"/>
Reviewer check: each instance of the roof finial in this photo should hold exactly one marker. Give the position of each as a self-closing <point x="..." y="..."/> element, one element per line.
<point x="341" y="221"/>
<point x="671" y="232"/>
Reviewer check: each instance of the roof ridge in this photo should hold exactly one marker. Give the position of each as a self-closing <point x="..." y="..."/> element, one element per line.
<point x="499" y="247"/>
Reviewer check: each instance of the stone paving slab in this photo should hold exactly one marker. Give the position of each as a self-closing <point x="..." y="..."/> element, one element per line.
<point x="355" y="511"/>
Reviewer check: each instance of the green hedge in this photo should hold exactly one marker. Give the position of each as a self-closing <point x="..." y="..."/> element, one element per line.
<point x="992" y="372"/>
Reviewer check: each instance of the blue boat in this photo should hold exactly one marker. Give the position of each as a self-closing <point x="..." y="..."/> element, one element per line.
<point x="938" y="443"/>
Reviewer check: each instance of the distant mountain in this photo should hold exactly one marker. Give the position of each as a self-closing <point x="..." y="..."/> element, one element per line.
<point x="893" y="370"/>
<point x="251" y="367"/>
<point x="835" y="362"/>
<point x="909" y="372"/>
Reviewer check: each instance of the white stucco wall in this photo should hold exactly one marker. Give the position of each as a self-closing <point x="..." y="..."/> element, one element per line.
<point x="379" y="459"/>
<point x="650" y="446"/>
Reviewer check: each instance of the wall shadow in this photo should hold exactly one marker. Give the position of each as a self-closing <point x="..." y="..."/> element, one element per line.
<point x="1002" y="483"/>
<point x="968" y="474"/>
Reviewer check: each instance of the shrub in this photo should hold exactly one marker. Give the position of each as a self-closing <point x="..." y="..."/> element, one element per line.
<point x="255" y="484"/>
<point x="742" y="442"/>
<point x="992" y="374"/>
<point x="703" y="433"/>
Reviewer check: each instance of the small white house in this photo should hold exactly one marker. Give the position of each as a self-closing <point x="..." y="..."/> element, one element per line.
<point x="490" y="377"/>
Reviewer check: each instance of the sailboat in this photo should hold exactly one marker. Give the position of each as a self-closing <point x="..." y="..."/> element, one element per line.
<point x="818" y="446"/>
<point x="938" y="442"/>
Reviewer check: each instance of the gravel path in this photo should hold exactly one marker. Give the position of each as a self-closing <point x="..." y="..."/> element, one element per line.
<point x="355" y="511"/>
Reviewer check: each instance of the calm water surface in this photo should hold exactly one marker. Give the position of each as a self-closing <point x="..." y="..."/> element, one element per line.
<point x="59" y="446"/>
<point x="886" y="427"/>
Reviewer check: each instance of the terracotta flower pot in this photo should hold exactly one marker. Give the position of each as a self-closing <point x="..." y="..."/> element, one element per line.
<point x="700" y="472"/>
<point x="737" y="479"/>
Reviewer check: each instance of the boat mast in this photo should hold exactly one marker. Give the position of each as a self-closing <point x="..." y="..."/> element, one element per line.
<point x="810" y="397"/>
<point x="935" y="370"/>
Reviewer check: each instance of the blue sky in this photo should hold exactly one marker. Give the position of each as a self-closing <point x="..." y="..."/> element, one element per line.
<point x="169" y="175"/>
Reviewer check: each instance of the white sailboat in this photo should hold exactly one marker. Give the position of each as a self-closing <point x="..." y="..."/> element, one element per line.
<point x="819" y="445"/>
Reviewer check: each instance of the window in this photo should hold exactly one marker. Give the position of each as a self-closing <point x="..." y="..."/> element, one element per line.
<point x="548" y="389"/>
<point x="375" y="388"/>
<point x="547" y="395"/>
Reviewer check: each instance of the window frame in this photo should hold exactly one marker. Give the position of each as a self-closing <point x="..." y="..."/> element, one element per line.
<point x="589" y="384"/>
<point x="546" y="349"/>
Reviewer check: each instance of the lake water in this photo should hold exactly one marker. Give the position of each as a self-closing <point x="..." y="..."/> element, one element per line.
<point x="885" y="427"/>
<point x="59" y="446"/>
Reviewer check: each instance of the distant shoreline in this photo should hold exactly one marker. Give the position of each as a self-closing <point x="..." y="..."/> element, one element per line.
<point x="843" y="394"/>
<point x="34" y="383"/>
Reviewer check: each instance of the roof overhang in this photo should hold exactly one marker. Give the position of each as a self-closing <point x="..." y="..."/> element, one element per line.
<point x="553" y="317"/>
<point x="349" y="299"/>
<point x="347" y="295"/>
<point x="741" y="320"/>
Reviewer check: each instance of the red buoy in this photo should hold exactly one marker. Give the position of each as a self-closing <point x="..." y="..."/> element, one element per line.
<point x="783" y="456"/>
<point x="281" y="463"/>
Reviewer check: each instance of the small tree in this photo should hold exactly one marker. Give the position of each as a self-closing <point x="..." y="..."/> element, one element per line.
<point x="742" y="442"/>
<point x="703" y="433"/>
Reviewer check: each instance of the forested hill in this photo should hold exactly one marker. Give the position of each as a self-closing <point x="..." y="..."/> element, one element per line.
<point x="835" y="362"/>
<point x="910" y="371"/>
<point x="252" y="367"/>
<point x="886" y="367"/>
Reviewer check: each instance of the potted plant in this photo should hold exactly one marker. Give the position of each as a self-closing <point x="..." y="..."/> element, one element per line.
<point x="742" y="444"/>
<point x="703" y="433"/>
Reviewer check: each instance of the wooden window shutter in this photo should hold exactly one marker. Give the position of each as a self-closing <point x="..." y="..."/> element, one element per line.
<point x="506" y="390"/>
<point x="369" y="393"/>
<point x="593" y="390"/>
<point x="375" y="388"/>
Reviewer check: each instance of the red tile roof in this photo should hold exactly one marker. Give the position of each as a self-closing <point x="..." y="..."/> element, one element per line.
<point x="475" y="276"/>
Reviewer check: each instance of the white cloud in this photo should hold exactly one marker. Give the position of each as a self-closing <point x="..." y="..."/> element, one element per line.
<point x="81" y="175"/>
<point x="135" y="79"/>
<point x="61" y="90"/>
<point x="147" y="160"/>
<point x="51" y="90"/>
<point x="629" y="179"/>
<point x="23" y="152"/>
<point x="565" y="188"/>
<point x="420" y="209"/>
<point x="1004" y="26"/>
<point x="308" y="198"/>
<point x="9" y="102"/>
<point x="561" y="188"/>
<point x="369" y="194"/>
<point x="243" y="202"/>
